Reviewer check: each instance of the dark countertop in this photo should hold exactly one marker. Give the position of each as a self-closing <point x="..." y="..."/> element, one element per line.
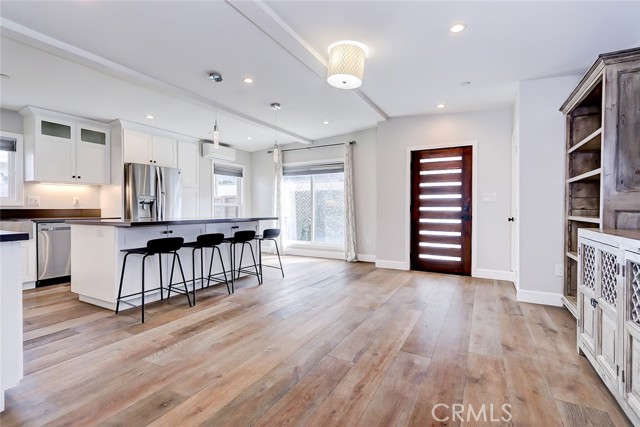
<point x="13" y="236"/>
<point x="149" y="222"/>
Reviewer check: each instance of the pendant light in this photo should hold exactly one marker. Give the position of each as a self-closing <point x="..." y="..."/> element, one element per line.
<point x="216" y="78"/>
<point x="276" y="150"/>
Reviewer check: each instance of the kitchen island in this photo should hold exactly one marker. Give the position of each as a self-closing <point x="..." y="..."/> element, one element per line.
<point x="96" y="257"/>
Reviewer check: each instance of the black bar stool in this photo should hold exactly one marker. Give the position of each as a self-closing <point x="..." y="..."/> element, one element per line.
<point x="243" y="238"/>
<point x="203" y="241"/>
<point x="269" y="234"/>
<point x="166" y="245"/>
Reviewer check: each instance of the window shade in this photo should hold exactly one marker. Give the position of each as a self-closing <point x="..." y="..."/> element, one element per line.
<point x="312" y="169"/>
<point x="227" y="170"/>
<point x="7" y="144"/>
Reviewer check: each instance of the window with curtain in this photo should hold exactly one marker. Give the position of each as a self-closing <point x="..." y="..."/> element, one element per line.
<point x="11" y="180"/>
<point x="313" y="203"/>
<point x="227" y="191"/>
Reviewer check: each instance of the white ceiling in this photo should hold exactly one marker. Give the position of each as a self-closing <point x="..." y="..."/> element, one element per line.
<point x="121" y="59"/>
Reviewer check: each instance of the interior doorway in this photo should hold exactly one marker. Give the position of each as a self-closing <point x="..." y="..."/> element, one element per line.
<point x="441" y="210"/>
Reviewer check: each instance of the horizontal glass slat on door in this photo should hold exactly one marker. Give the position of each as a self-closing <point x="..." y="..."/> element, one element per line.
<point x="440" y="227"/>
<point x="93" y="137"/>
<point x="440" y="257"/>
<point x="55" y="129"/>
<point x="440" y="196"/>
<point x="441" y="209"/>
<point x="439" y="233"/>
<point x="440" y="221"/>
<point x="440" y="245"/>
<point x="440" y="159"/>
<point x="441" y="184"/>
<point x="439" y="166"/>
<point x="441" y="172"/>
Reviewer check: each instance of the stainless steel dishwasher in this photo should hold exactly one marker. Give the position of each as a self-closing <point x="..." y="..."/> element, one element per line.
<point x="53" y="243"/>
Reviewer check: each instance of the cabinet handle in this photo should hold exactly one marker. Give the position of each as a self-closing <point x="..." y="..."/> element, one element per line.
<point x="79" y="177"/>
<point x="594" y="302"/>
<point x="73" y="176"/>
<point x="170" y="231"/>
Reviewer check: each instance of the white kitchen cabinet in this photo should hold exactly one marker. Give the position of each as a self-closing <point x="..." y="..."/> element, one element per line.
<point x="28" y="256"/>
<point x="609" y="311"/>
<point x="188" y="160"/>
<point x="139" y="147"/>
<point x="65" y="149"/>
<point x="165" y="151"/>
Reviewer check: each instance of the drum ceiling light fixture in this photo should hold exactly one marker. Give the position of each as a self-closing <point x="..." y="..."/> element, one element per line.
<point x="346" y="64"/>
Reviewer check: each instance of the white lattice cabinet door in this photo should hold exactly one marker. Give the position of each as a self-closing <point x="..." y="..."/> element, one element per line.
<point x="608" y="281"/>
<point x="587" y="295"/>
<point x="632" y="329"/>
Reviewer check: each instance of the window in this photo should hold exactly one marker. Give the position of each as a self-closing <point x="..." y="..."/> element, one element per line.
<point x="313" y="203"/>
<point x="227" y="191"/>
<point x="11" y="178"/>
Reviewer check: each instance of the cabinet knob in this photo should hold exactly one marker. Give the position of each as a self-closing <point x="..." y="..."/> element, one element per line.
<point x="79" y="177"/>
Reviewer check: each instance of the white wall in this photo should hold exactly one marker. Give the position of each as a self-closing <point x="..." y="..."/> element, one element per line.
<point x="541" y="154"/>
<point x="364" y="153"/>
<point x="57" y="196"/>
<point x="492" y="131"/>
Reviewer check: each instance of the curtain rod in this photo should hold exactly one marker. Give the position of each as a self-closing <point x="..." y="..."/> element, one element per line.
<point x="314" y="146"/>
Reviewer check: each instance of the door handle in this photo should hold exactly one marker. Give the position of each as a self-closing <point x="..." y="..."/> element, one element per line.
<point x="511" y="219"/>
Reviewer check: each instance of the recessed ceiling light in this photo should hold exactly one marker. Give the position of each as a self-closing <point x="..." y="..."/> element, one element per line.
<point x="440" y="106"/>
<point x="457" y="28"/>
<point x="326" y="122"/>
<point x="5" y="76"/>
<point x="149" y="116"/>
<point x="247" y="80"/>
<point x="249" y="138"/>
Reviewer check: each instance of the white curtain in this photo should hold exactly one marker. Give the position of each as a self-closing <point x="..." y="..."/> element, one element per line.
<point x="350" y="251"/>
<point x="277" y="204"/>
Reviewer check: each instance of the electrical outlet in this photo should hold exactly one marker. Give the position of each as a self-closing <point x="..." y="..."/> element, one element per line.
<point x="559" y="272"/>
<point x="33" y="200"/>
<point x="76" y="202"/>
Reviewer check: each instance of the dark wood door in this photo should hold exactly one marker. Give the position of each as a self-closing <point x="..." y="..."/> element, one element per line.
<point x="441" y="211"/>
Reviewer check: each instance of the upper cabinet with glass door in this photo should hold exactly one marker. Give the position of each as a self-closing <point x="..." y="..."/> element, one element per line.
<point x="65" y="149"/>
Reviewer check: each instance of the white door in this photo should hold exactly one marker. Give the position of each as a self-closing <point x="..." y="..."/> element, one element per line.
<point x="92" y="155"/>
<point x="137" y="147"/>
<point x="515" y="200"/>
<point x="188" y="159"/>
<point x="55" y="150"/>
<point x="165" y="151"/>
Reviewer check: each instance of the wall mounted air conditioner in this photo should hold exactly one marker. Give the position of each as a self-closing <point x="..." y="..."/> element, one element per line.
<point x="220" y="153"/>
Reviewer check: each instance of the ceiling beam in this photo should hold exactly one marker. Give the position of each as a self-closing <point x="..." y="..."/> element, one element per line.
<point x="72" y="53"/>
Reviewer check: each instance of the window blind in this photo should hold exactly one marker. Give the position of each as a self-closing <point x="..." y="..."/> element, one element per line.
<point x="7" y="144"/>
<point x="227" y="170"/>
<point x="312" y="169"/>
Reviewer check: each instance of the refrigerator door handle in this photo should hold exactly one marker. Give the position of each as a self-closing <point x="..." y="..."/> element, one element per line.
<point x="160" y="193"/>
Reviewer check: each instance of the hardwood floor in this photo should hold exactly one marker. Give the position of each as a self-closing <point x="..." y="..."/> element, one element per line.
<point x="332" y="344"/>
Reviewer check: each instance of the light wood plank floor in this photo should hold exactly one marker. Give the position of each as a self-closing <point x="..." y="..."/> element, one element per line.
<point x="332" y="344"/>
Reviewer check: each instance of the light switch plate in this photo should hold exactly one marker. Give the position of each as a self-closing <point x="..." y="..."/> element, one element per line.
<point x="489" y="197"/>
<point x="33" y="200"/>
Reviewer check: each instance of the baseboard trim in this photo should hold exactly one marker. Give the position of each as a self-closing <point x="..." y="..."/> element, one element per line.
<point x="366" y="258"/>
<point x="316" y="253"/>
<point x="482" y="273"/>
<point x="393" y="265"/>
<point x="537" y="297"/>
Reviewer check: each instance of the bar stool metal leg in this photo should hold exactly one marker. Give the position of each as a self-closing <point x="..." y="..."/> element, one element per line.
<point x="144" y="258"/>
<point x="224" y="271"/>
<point x="255" y="265"/>
<point x="279" y="260"/>
<point x="184" y="280"/>
<point x="124" y="264"/>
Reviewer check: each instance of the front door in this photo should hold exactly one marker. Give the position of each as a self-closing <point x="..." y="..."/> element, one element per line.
<point x="441" y="210"/>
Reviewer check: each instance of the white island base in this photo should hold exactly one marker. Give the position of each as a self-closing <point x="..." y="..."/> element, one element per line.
<point x="96" y="257"/>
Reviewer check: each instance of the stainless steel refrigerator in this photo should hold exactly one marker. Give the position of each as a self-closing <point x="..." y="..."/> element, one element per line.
<point x="152" y="192"/>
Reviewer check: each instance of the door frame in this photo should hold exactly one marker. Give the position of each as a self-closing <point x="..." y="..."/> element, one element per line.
<point x="474" y="197"/>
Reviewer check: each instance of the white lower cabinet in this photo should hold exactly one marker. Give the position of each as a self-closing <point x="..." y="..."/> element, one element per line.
<point x="609" y="311"/>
